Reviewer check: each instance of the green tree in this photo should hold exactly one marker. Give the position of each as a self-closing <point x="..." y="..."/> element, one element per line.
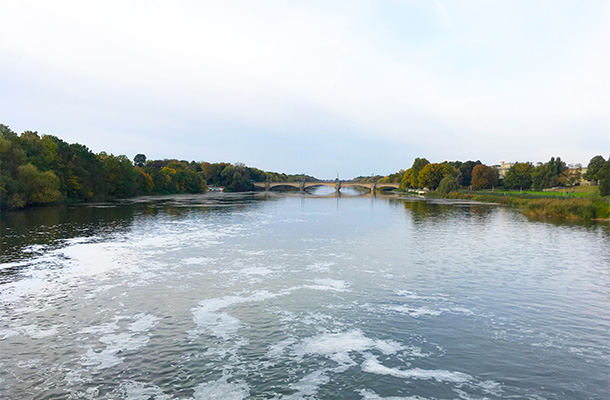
<point x="603" y="179"/>
<point x="547" y="175"/>
<point x="595" y="164"/>
<point x="119" y="175"/>
<point x="519" y="176"/>
<point x="431" y="175"/>
<point x="139" y="160"/>
<point x="37" y="187"/>
<point x="484" y="177"/>
<point x="418" y="165"/>
<point x="448" y="184"/>
<point x="466" y="172"/>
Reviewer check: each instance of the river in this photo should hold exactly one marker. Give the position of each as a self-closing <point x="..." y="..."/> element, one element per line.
<point x="222" y="296"/>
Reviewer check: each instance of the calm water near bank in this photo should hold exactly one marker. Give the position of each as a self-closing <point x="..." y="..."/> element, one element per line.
<point x="221" y="296"/>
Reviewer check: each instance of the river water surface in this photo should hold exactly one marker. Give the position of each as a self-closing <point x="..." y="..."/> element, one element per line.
<point x="286" y="297"/>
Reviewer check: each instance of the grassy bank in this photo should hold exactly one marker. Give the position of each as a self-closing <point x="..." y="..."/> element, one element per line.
<point x="543" y="206"/>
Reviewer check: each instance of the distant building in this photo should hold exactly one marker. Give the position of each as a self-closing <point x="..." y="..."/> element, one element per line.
<point x="577" y="171"/>
<point x="503" y="168"/>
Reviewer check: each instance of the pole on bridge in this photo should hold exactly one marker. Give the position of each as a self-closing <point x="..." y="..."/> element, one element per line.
<point x="337" y="184"/>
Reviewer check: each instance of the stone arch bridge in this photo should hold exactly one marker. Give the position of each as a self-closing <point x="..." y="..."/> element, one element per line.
<point x="337" y="185"/>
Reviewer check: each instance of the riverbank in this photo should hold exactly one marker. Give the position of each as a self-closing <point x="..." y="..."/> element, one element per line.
<point x="550" y="207"/>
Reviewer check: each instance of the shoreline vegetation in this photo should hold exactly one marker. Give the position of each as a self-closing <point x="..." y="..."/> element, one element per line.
<point x="550" y="207"/>
<point x="546" y="191"/>
<point x="43" y="169"/>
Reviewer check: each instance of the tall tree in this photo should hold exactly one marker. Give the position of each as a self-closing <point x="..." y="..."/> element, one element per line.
<point x="418" y="165"/>
<point x="547" y="175"/>
<point x="519" y="176"/>
<point x="448" y="184"/>
<point x="139" y="160"/>
<point x="595" y="164"/>
<point x="484" y="177"/>
<point x="466" y="171"/>
<point x="431" y="175"/>
<point x="407" y="178"/>
<point x="603" y="179"/>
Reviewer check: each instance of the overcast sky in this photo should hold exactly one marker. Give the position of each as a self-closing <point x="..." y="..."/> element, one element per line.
<point x="320" y="87"/>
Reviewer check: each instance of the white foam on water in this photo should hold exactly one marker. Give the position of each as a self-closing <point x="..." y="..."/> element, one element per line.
<point x="208" y="317"/>
<point x="221" y="389"/>
<point x="338" y="346"/>
<point x="491" y="387"/>
<point x="15" y="264"/>
<point x="370" y="395"/>
<point x="256" y="271"/>
<point x="320" y="266"/>
<point x="333" y="285"/>
<point x="98" y="290"/>
<point x="197" y="260"/>
<point x="308" y="386"/>
<point x="415" y="351"/>
<point x="461" y="310"/>
<point x="416" y="312"/>
<point x="13" y="291"/>
<point x="88" y="259"/>
<point x="315" y="319"/>
<point x="7" y="333"/>
<point x="277" y="350"/>
<point x="115" y="344"/>
<point x="73" y="377"/>
<point x="144" y="322"/>
<point x="419" y="312"/>
<point x="372" y="365"/>
<point x="35" y="332"/>
<point x="407" y="293"/>
<point x="29" y="364"/>
<point x="134" y="390"/>
<point x="220" y="324"/>
<point x="100" y="329"/>
<point x="55" y="270"/>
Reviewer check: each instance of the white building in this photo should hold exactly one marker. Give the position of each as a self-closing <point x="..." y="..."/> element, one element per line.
<point x="503" y="168"/>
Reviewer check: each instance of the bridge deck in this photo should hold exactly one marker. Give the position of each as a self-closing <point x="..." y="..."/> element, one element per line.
<point x="305" y="185"/>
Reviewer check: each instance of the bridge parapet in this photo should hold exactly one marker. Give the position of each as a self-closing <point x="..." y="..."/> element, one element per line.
<point x="337" y="185"/>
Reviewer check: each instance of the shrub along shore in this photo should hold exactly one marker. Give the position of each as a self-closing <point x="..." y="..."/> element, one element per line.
<point x="541" y="207"/>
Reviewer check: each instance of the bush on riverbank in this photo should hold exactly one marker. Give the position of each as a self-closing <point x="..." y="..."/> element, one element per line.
<point x="544" y="208"/>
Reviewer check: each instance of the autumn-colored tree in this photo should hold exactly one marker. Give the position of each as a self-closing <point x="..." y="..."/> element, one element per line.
<point x="484" y="177"/>
<point x="466" y="172"/>
<point x="431" y="175"/>
<point x="418" y="165"/>
<point x="406" y="179"/>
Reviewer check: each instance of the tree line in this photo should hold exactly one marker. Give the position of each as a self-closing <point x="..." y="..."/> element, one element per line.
<point x="39" y="169"/>
<point x="452" y="175"/>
